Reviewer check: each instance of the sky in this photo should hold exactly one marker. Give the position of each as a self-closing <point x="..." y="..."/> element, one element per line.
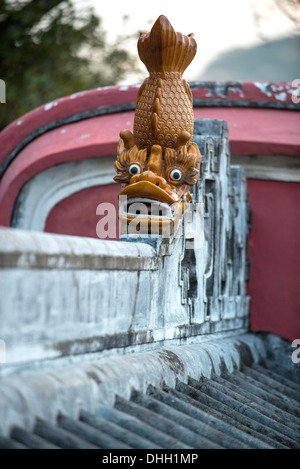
<point x="218" y="25"/>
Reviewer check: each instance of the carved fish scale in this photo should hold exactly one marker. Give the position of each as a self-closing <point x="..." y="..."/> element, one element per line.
<point x="164" y="110"/>
<point x="164" y="102"/>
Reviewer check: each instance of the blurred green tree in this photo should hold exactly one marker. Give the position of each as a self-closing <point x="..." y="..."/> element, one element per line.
<point x="49" y="49"/>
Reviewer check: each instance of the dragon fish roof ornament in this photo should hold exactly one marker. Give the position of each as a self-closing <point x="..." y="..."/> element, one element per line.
<point x="158" y="163"/>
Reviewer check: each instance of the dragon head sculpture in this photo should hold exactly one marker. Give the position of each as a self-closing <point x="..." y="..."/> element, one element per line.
<point x="158" y="163"/>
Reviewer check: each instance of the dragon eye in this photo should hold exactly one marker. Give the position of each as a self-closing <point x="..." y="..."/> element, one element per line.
<point x="176" y="175"/>
<point x="134" y="169"/>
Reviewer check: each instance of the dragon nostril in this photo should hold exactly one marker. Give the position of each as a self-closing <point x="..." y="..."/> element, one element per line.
<point x="157" y="184"/>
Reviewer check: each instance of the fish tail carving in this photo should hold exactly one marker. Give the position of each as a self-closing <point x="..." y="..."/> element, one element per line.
<point x="164" y="103"/>
<point x="164" y="50"/>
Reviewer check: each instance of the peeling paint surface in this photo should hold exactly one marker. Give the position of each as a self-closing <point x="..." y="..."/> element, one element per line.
<point x="50" y="105"/>
<point x="75" y="95"/>
<point x="281" y="96"/>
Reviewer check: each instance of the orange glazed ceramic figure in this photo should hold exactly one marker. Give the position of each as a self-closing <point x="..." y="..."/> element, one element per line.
<point x="158" y="163"/>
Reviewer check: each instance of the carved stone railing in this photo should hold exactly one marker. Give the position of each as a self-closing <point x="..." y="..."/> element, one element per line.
<point x="70" y="297"/>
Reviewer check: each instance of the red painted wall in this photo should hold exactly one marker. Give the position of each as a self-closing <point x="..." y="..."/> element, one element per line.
<point x="274" y="252"/>
<point x="76" y="215"/>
